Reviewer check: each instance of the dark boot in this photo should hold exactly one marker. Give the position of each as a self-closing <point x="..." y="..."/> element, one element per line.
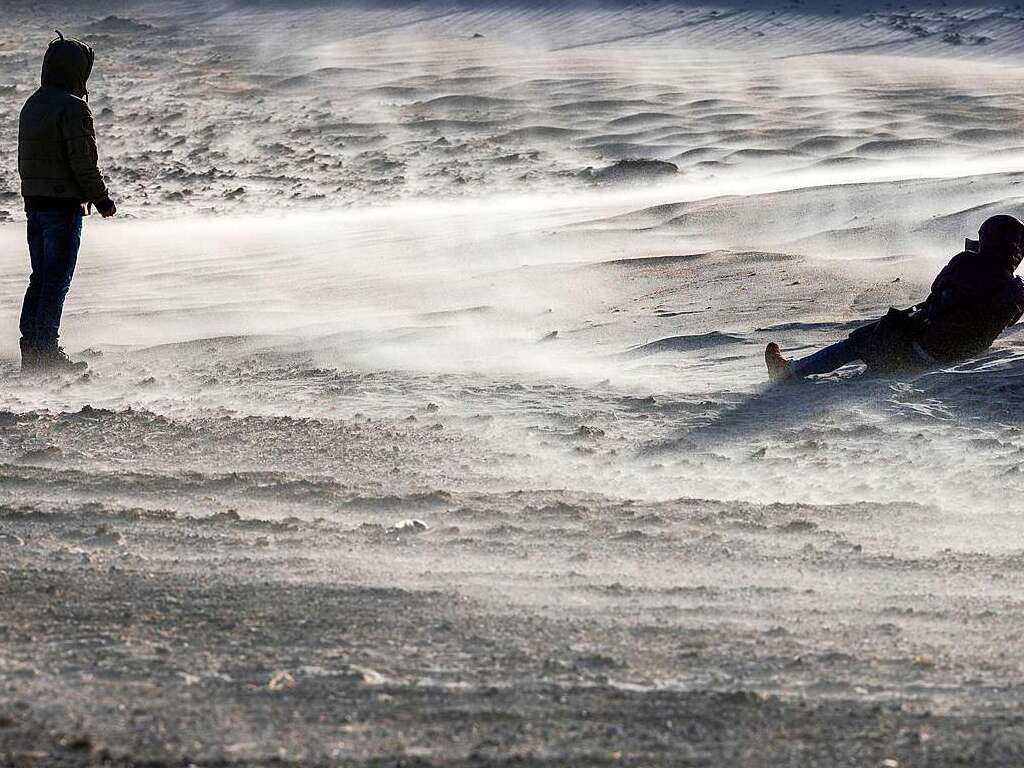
<point x="52" y="359"/>
<point x="29" y="356"/>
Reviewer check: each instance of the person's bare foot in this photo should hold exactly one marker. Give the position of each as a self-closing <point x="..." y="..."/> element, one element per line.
<point x="778" y="366"/>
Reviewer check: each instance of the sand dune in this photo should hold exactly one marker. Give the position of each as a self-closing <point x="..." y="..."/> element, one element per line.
<point x="397" y="72"/>
<point x="509" y="270"/>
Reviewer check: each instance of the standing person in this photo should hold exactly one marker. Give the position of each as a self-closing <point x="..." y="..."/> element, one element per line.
<point x="974" y="299"/>
<point x="59" y="181"/>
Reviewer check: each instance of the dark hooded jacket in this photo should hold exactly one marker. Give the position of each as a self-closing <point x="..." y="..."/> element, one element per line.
<point x="57" y="158"/>
<point x="974" y="298"/>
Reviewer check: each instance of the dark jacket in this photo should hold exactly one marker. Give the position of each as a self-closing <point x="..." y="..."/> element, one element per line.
<point x="974" y="299"/>
<point x="57" y="156"/>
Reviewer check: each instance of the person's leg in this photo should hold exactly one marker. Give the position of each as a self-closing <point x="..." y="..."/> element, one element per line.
<point x="61" y="237"/>
<point x="826" y="360"/>
<point x="30" y="306"/>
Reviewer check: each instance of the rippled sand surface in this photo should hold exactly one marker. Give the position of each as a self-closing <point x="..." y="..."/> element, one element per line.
<point x="385" y="265"/>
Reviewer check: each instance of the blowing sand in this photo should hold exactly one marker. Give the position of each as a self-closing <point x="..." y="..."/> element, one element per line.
<point x="386" y="264"/>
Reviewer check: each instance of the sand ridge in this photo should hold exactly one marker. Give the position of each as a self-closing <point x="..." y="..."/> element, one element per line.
<point x="257" y="114"/>
<point x="373" y="269"/>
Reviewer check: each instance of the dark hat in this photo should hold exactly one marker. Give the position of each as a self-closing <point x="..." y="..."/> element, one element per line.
<point x="1002" y="234"/>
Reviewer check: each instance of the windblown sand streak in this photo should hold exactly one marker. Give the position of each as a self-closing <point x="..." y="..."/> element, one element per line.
<point x="386" y="263"/>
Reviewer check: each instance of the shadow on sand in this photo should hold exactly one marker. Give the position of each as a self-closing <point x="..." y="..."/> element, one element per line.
<point x="775" y="408"/>
<point x="988" y="390"/>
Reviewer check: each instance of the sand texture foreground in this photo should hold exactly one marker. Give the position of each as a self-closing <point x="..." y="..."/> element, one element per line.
<point x="425" y="420"/>
<point x="164" y="668"/>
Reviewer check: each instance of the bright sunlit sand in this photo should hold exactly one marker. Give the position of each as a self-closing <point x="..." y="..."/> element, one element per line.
<point x="376" y="264"/>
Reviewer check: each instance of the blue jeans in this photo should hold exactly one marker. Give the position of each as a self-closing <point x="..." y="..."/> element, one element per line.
<point x="53" y="240"/>
<point x="826" y="360"/>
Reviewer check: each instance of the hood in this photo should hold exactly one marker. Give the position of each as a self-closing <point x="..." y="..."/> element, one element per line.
<point x="67" y="65"/>
<point x="1002" y="240"/>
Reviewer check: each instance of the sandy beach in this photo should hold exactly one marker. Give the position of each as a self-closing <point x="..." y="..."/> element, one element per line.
<point x="426" y="419"/>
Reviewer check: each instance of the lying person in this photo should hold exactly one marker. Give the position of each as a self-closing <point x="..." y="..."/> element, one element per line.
<point x="974" y="299"/>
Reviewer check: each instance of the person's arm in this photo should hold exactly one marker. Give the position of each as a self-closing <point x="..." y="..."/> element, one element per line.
<point x="80" y="143"/>
<point x="942" y="291"/>
<point x="1009" y="306"/>
<point x="924" y="306"/>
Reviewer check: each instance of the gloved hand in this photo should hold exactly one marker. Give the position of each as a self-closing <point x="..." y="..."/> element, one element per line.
<point x="106" y="208"/>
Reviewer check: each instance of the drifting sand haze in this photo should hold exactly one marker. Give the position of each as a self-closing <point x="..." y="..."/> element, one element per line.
<point x="269" y="109"/>
<point x="382" y="264"/>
